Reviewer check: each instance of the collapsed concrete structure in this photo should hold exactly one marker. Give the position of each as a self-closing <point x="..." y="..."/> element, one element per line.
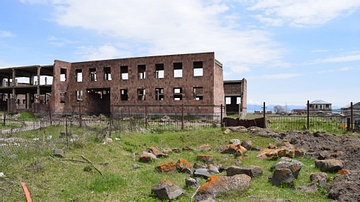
<point x="154" y="83"/>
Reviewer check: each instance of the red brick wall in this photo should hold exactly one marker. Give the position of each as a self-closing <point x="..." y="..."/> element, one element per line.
<point x="211" y="81"/>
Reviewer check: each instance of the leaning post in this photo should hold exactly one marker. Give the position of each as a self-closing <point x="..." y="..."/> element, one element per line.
<point x="182" y="117"/>
<point x="351" y="116"/>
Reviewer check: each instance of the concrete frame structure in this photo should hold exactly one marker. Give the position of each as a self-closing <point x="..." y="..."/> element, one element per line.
<point x="111" y="86"/>
<point x="235" y="96"/>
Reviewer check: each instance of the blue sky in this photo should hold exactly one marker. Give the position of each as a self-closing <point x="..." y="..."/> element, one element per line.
<point x="290" y="51"/>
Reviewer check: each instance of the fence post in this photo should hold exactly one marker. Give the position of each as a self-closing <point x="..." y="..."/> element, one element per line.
<point x="182" y="117"/>
<point x="4" y="118"/>
<point x="146" y="116"/>
<point x="351" y="116"/>
<point x="308" y="115"/>
<point x="348" y="125"/>
<point x="221" y="116"/>
<point x="264" y="114"/>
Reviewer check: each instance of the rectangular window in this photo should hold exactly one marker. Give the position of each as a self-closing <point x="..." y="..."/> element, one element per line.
<point x="159" y="72"/>
<point x="238" y="100"/>
<point x="198" y="68"/>
<point x="62" y="97"/>
<point x="79" y="95"/>
<point x="62" y="74"/>
<point x="228" y="100"/>
<point x="198" y="93"/>
<point x="159" y="94"/>
<point x="142" y="71"/>
<point x="177" y="70"/>
<point x="124" y="72"/>
<point x="177" y="93"/>
<point x="124" y="94"/>
<point x="141" y="94"/>
<point x="107" y="73"/>
<point x="78" y="75"/>
<point x="92" y="75"/>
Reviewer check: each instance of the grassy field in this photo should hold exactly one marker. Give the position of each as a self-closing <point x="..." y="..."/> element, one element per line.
<point x="51" y="178"/>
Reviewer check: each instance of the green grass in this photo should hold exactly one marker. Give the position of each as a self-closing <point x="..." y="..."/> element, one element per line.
<point x="51" y="178"/>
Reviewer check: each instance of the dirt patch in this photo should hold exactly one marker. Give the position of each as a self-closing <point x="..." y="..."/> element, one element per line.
<point x="327" y="145"/>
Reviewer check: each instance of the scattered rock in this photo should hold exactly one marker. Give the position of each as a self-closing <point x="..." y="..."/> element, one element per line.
<point x="204" y="147"/>
<point x="191" y="182"/>
<point x="235" y="141"/>
<point x="319" y="178"/>
<point x="167" y="167"/>
<point x="311" y="188"/>
<point x="285" y="162"/>
<point x="329" y="165"/>
<point x="146" y="157"/>
<point x="167" y="190"/>
<point x="184" y="166"/>
<point x="205" y="158"/>
<point x="59" y="153"/>
<point x="282" y="175"/>
<point x="251" y="171"/>
<point x="220" y="184"/>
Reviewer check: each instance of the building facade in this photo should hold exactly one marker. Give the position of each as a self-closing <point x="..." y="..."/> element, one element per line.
<point x="158" y="83"/>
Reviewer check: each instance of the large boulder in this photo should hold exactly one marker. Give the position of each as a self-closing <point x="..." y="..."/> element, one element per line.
<point x="165" y="189"/>
<point x="220" y="184"/>
<point x="146" y="157"/>
<point x="329" y="165"/>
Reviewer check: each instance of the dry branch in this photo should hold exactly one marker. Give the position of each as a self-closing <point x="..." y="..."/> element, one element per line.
<point x="82" y="156"/>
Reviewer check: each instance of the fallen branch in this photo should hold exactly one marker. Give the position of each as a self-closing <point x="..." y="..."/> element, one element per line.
<point x="82" y="156"/>
<point x="26" y="192"/>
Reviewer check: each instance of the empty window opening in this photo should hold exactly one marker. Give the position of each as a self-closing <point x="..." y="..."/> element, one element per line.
<point x="142" y="71"/>
<point x="159" y="73"/>
<point x="62" y="97"/>
<point x="107" y="73"/>
<point x="124" y="72"/>
<point x="198" y="93"/>
<point x="141" y="94"/>
<point x="159" y="94"/>
<point x="62" y="74"/>
<point x="177" y="70"/>
<point x="177" y="93"/>
<point x="79" y="95"/>
<point x="238" y="100"/>
<point x="198" y="68"/>
<point x="92" y="74"/>
<point x="78" y="75"/>
<point x="228" y="100"/>
<point x="124" y="94"/>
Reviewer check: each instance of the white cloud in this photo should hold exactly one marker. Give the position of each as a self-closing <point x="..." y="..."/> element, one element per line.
<point x="58" y="41"/>
<point x="167" y="27"/>
<point x="319" y="51"/>
<point x="97" y="53"/>
<point x="346" y="58"/>
<point x="281" y="76"/>
<point x="6" y="34"/>
<point x="302" y="12"/>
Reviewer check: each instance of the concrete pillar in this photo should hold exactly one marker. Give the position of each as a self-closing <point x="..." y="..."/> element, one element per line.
<point x="38" y="85"/>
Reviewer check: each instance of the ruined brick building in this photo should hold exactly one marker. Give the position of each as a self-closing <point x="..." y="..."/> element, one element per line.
<point x="155" y="83"/>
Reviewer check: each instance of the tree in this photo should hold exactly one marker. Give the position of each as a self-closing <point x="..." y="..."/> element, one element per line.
<point x="279" y="109"/>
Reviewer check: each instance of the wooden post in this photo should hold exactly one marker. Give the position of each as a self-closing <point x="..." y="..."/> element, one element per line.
<point x="307" y="115"/>
<point x="182" y="117"/>
<point x="146" y="117"/>
<point x="351" y="116"/>
<point x="264" y="114"/>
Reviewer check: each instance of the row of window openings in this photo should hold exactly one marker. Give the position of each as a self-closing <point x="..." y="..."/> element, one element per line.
<point x="228" y="100"/>
<point x="141" y="94"/>
<point x="159" y="72"/>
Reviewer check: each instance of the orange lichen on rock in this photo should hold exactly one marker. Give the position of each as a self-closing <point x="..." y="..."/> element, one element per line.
<point x="167" y="167"/>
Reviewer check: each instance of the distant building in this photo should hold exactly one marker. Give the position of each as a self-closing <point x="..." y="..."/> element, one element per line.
<point x="347" y="109"/>
<point x="320" y="106"/>
<point x="235" y="96"/>
<point x="298" y="111"/>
